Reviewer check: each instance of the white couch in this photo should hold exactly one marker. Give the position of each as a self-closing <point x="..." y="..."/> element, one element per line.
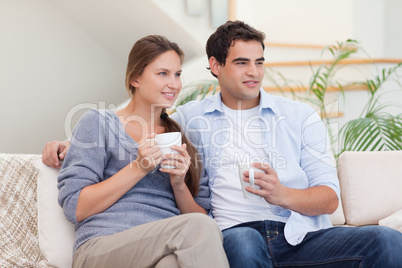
<point x="371" y="189"/>
<point x="34" y="232"/>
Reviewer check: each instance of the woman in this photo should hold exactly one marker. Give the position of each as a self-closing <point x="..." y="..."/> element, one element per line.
<point x="129" y="212"/>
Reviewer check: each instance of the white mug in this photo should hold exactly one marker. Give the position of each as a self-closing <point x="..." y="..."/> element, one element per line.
<point x="165" y="141"/>
<point x="252" y="170"/>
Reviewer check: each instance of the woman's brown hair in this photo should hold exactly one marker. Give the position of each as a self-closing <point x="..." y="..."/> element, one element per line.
<point x="145" y="51"/>
<point x="193" y="175"/>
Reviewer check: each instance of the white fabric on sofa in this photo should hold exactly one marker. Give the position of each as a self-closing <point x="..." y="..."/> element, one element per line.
<point x="394" y="221"/>
<point x="338" y="217"/>
<point x="56" y="234"/>
<point x="19" y="242"/>
<point x="371" y="185"/>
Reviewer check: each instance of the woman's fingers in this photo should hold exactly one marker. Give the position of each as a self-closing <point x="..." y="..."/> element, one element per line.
<point x="179" y="161"/>
<point x="182" y="149"/>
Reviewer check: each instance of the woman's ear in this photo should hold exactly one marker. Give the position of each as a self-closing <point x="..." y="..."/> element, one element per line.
<point x="134" y="83"/>
<point x="214" y="65"/>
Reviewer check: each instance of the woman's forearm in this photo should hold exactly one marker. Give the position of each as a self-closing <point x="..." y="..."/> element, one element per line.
<point x="96" y="198"/>
<point x="185" y="201"/>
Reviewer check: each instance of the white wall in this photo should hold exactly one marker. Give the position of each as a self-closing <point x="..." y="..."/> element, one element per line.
<point x="48" y="65"/>
<point x="295" y="21"/>
<point x="392" y="28"/>
<point x="192" y="16"/>
<point x="374" y="23"/>
<point x="369" y="26"/>
<point x="58" y="54"/>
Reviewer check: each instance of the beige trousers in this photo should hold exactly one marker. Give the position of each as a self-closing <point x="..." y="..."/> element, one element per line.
<point x="188" y="240"/>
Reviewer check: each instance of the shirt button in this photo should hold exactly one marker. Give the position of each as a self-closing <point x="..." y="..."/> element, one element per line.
<point x="276" y="210"/>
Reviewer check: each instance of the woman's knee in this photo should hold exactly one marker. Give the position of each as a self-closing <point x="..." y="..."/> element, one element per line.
<point x="200" y="218"/>
<point x="202" y="223"/>
<point x="168" y="261"/>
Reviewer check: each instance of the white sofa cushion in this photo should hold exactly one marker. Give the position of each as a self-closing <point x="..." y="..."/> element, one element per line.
<point x="338" y="218"/>
<point x="56" y="234"/>
<point x="394" y="221"/>
<point x="371" y="184"/>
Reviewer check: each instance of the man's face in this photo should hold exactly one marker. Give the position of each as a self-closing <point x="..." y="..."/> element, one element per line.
<point x="241" y="77"/>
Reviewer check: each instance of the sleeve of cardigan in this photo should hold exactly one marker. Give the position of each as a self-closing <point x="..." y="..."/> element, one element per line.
<point x="84" y="163"/>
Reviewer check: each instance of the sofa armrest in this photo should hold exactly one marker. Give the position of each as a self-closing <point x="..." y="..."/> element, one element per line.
<point x="56" y="234"/>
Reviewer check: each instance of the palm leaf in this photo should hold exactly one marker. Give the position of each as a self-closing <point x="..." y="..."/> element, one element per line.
<point x="378" y="132"/>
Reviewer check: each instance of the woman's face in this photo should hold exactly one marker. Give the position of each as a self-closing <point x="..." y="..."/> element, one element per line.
<point x="160" y="83"/>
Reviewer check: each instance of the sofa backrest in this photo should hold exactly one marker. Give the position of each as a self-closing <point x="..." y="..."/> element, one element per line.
<point x="371" y="185"/>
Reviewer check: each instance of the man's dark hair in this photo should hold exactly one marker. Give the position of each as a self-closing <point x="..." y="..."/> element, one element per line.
<point x="226" y="35"/>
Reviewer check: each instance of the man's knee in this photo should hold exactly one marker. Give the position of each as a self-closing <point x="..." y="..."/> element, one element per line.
<point x="243" y="240"/>
<point x="390" y="241"/>
<point x="385" y="245"/>
<point x="384" y="237"/>
<point x="245" y="247"/>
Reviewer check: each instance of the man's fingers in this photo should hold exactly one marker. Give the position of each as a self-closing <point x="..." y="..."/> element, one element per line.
<point x="263" y="166"/>
<point x="50" y="154"/>
<point x="64" y="150"/>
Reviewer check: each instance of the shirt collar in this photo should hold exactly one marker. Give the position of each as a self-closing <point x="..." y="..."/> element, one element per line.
<point x="266" y="103"/>
<point x="215" y="104"/>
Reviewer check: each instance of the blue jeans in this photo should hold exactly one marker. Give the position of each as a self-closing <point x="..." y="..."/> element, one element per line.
<point x="262" y="244"/>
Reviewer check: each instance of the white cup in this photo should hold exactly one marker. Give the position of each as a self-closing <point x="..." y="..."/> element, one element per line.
<point x="252" y="170"/>
<point x="165" y="141"/>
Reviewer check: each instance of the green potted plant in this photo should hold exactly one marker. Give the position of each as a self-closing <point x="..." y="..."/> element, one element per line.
<point x="375" y="129"/>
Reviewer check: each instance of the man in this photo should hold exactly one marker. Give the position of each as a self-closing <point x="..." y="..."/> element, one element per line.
<point x="289" y="225"/>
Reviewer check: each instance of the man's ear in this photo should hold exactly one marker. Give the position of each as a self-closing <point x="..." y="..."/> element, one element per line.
<point x="214" y="65"/>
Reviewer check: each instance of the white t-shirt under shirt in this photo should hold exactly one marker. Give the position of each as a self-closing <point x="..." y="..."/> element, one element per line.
<point x="245" y="145"/>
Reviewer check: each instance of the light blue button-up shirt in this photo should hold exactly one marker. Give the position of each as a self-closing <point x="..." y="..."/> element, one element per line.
<point x="296" y="142"/>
